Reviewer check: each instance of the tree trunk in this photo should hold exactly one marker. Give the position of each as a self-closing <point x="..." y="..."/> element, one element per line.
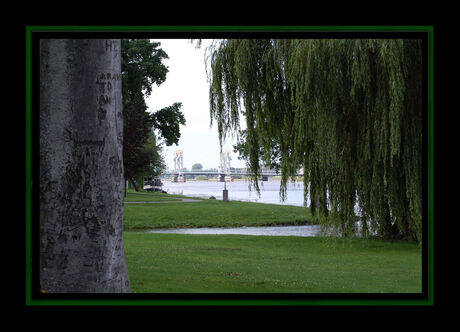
<point x="81" y="167"/>
<point x="135" y="184"/>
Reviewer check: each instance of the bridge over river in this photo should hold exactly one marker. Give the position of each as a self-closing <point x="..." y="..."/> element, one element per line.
<point x="224" y="174"/>
<point x="222" y="177"/>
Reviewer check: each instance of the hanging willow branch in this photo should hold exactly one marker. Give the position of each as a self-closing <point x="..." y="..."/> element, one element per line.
<point x="348" y="111"/>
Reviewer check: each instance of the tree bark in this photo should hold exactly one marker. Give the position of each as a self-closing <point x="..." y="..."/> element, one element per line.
<point x="135" y="184"/>
<point x="81" y="167"/>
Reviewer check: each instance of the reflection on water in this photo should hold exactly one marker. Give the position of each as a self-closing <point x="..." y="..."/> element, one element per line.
<point x="305" y="231"/>
<point x="239" y="190"/>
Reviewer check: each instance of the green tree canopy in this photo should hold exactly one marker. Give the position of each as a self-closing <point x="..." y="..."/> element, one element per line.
<point x="150" y="161"/>
<point x="167" y="121"/>
<point x="271" y="159"/>
<point x="142" y="67"/>
<point x="197" y="166"/>
<point x="348" y="110"/>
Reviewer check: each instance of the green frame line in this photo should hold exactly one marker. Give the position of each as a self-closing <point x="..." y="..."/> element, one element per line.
<point x="29" y="30"/>
<point x="431" y="165"/>
<point x="226" y="28"/>
<point x="229" y="302"/>
<point x="28" y="165"/>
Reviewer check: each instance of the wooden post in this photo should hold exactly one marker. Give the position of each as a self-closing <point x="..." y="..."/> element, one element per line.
<point x="225" y="193"/>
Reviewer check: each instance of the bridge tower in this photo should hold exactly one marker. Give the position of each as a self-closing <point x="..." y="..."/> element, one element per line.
<point x="225" y="160"/>
<point x="178" y="166"/>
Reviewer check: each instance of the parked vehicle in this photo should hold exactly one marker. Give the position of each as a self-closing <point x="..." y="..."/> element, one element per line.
<point x="153" y="184"/>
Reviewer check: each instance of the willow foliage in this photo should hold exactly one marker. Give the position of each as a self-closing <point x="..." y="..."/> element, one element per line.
<point x="349" y="111"/>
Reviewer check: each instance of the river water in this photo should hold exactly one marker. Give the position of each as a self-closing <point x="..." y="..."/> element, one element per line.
<point x="304" y="231"/>
<point x="239" y="190"/>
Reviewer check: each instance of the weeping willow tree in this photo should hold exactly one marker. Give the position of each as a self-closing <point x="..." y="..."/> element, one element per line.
<point x="348" y="111"/>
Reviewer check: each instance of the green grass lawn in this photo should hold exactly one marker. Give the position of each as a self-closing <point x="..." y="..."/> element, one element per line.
<point x="179" y="263"/>
<point x="143" y="196"/>
<point x="211" y="213"/>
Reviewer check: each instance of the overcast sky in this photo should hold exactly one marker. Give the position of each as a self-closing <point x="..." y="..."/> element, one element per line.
<point x="186" y="82"/>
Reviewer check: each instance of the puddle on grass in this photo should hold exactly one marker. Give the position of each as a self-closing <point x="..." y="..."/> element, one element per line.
<point x="305" y="231"/>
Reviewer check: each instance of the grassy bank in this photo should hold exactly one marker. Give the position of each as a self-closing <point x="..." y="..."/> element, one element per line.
<point x="177" y="263"/>
<point x="207" y="213"/>
<point x="144" y="196"/>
